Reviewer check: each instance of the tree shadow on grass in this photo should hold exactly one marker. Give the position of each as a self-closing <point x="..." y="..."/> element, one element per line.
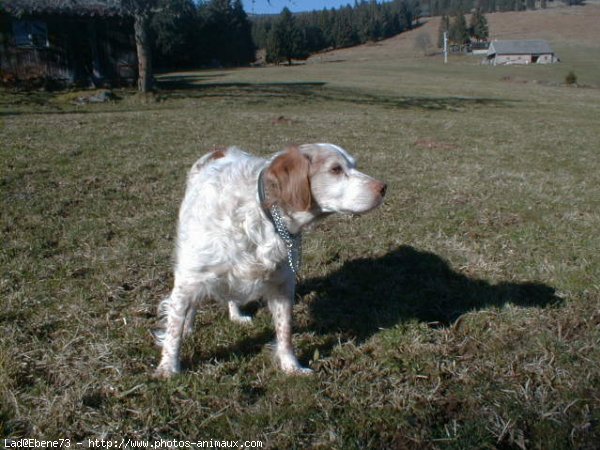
<point x="187" y="86"/>
<point x="368" y="294"/>
<point x="203" y="86"/>
<point x="185" y="79"/>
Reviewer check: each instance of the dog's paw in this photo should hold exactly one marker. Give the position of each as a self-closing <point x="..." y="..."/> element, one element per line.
<point x="297" y="370"/>
<point x="164" y="373"/>
<point x="245" y="320"/>
<point x="303" y="371"/>
<point x="235" y="315"/>
<point x="290" y="366"/>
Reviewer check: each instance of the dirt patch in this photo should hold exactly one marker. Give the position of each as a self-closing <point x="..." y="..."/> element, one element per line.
<point x="432" y="144"/>
<point x="511" y="79"/>
<point x="282" y="120"/>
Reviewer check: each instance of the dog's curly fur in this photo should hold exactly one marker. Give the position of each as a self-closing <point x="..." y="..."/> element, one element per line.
<point x="229" y="250"/>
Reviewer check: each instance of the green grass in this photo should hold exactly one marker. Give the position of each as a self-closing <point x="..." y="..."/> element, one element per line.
<point x="465" y="313"/>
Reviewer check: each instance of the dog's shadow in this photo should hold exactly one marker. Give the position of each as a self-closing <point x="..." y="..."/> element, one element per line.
<point x="368" y="294"/>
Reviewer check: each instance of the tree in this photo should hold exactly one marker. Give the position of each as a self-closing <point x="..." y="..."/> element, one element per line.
<point x="405" y="16"/>
<point x="285" y="40"/>
<point x="242" y="35"/>
<point x="374" y="30"/>
<point x="142" y="11"/>
<point x="367" y="20"/>
<point x="458" y="33"/>
<point x="390" y="25"/>
<point x="478" y="26"/>
<point x="261" y="27"/>
<point x="225" y="35"/>
<point x="325" y="23"/>
<point x="174" y="35"/>
<point x="344" y="33"/>
<point x="214" y="35"/>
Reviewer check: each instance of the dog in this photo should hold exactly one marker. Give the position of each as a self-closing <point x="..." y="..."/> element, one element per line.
<point x="239" y="231"/>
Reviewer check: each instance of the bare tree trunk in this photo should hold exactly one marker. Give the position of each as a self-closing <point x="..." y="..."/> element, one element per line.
<point x="144" y="53"/>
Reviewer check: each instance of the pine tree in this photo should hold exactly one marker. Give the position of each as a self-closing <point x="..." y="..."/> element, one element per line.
<point x="374" y="27"/>
<point x="174" y="31"/>
<point x="388" y="24"/>
<point x="415" y="7"/>
<point x="241" y="35"/>
<point x="405" y="16"/>
<point x="458" y="33"/>
<point x="478" y="26"/>
<point x="344" y="33"/>
<point x="312" y="33"/>
<point x="483" y="5"/>
<point x="285" y="40"/>
<point x="225" y="35"/>
<point x="325" y="23"/>
<point x="368" y="20"/>
<point x="261" y="27"/>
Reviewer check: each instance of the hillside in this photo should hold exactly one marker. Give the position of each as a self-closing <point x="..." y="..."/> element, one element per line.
<point x="559" y="25"/>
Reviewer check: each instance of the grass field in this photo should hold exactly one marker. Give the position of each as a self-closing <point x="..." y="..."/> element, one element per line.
<point x="465" y="313"/>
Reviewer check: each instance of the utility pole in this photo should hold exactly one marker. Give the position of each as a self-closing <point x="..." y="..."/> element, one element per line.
<point x="445" y="47"/>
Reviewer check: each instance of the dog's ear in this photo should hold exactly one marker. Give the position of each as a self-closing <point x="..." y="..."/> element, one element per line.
<point x="288" y="180"/>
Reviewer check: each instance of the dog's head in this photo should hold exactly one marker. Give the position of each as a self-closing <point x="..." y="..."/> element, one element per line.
<point x="322" y="179"/>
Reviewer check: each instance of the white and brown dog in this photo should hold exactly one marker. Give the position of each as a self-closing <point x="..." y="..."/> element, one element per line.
<point x="238" y="235"/>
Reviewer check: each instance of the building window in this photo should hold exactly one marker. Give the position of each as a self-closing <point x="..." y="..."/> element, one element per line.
<point x="30" y="33"/>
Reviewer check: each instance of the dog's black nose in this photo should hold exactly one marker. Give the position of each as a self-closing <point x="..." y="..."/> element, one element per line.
<point x="383" y="189"/>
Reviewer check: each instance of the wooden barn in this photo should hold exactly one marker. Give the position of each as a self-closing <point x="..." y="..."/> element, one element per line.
<point x="82" y="42"/>
<point x="520" y="52"/>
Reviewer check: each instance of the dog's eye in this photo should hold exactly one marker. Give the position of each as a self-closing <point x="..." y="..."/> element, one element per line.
<point x="336" y="170"/>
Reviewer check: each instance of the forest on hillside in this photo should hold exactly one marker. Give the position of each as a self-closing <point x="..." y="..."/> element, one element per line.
<point x="219" y="32"/>
<point x="335" y="28"/>
<point x="188" y="33"/>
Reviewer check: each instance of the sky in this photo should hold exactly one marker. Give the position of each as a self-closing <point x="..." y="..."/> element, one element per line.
<point x="275" y="6"/>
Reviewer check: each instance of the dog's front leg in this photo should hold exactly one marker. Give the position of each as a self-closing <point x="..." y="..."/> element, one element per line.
<point x="178" y="310"/>
<point x="280" y="305"/>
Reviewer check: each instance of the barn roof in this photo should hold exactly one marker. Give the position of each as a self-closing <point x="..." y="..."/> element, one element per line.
<point x="519" y="47"/>
<point x="64" y="7"/>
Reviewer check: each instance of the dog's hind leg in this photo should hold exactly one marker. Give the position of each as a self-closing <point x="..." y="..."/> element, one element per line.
<point x="190" y="317"/>
<point x="235" y="315"/>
